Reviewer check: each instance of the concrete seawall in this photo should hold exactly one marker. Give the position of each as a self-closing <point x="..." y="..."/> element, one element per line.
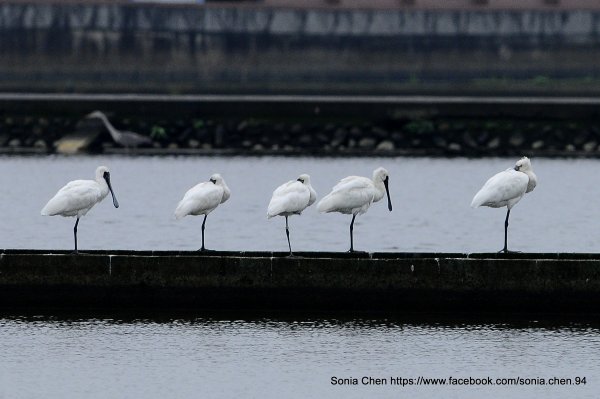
<point x="124" y="47"/>
<point x="402" y="282"/>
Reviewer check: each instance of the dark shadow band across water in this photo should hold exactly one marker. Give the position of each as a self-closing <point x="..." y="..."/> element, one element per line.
<point x="306" y="320"/>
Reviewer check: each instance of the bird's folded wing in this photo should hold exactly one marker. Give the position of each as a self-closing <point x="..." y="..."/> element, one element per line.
<point x="201" y="197"/>
<point x="76" y="195"/>
<point x="351" y="181"/>
<point x="284" y="188"/>
<point x="291" y="197"/>
<point x="503" y="186"/>
<point x="350" y="193"/>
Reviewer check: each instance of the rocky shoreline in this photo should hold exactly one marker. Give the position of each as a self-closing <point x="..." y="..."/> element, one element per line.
<point x="443" y="136"/>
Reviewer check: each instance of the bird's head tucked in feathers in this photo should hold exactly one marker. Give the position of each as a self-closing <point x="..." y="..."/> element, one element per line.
<point x="304" y="179"/>
<point x="523" y="165"/>
<point x="216" y="179"/>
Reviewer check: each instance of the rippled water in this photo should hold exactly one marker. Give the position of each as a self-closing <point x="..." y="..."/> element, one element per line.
<point x="431" y="200"/>
<point x="187" y="357"/>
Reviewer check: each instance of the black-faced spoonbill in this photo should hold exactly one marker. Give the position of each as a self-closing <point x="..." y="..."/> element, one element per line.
<point x="122" y="137"/>
<point x="291" y="198"/>
<point x="506" y="189"/>
<point x="355" y="194"/>
<point x="202" y="199"/>
<point x="79" y="196"/>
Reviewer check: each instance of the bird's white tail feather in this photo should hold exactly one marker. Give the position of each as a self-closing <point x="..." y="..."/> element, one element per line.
<point x="52" y="208"/>
<point x="182" y="210"/>
<point x="327" y="204"/>
<point x="479" y="199"/>
<point x="276" y="207"/>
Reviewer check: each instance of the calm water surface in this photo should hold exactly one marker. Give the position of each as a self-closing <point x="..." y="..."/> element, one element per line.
<point x="431" y="200"/>
<point x="295" y="357"/>
<point x="272" y="358"/>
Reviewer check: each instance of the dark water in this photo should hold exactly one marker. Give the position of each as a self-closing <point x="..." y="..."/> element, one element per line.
<point x="57" y="357"/>
<point x="431" y="200"/>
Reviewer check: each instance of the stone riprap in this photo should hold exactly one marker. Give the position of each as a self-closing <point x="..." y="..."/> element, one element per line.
<point x="380" y="136"/>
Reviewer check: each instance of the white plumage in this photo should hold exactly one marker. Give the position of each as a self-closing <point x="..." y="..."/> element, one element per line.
<point x="503" y="189"/>
<point x="291" y="198"/>
<point x="77" y="197"/>
<point x="355" y="194"/>
<point x="202" y="199"/>
<point x="506" y="189"/>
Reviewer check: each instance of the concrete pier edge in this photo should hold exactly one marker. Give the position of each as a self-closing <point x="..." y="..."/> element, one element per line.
<point x="323" y="281"/>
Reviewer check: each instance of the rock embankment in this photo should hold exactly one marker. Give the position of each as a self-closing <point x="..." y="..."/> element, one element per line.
<point x="442" y="136"/>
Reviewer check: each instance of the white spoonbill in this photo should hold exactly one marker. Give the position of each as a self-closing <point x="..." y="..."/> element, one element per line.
<point x="79" y="196"/>
<point x="506" y="189"/>
<point x="291" y="198"/>
<point x="202" y="199"/>
<point x="355" y="194"/>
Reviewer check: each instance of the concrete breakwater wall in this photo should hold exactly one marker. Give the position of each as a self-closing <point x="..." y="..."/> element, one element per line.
<point x="300" y="125"/>
<point x="125" y="47"/>
<point x="402" y="282"/>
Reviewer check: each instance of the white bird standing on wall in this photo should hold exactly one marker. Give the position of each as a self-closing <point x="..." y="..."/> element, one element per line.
<point x="506" y="189"/>
<point x="79" y="196"/>
<point x="202" y="199"/>
<point x="291" y="198"/>
<point x="355" y="194"/>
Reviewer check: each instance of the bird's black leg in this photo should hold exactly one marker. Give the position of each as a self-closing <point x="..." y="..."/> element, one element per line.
<point x="287" y="233"/>
<point x="351" y="234"/>
<point x="203" y="224"/>
<point x="75" y="235"/>
<point x="505" y="249"/>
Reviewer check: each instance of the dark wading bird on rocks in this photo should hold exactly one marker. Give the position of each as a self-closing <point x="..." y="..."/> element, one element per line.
<point x="77" y="197"/>
<point x="506" y="189"/>
<point x="124" y="138"/>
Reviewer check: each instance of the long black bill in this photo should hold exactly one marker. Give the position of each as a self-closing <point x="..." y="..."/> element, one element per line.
<point x="387" y="191"/>
<point x="107" y="178"/>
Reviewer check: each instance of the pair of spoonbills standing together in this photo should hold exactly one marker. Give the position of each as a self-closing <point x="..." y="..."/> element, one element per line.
<point x="352" y="195"/>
